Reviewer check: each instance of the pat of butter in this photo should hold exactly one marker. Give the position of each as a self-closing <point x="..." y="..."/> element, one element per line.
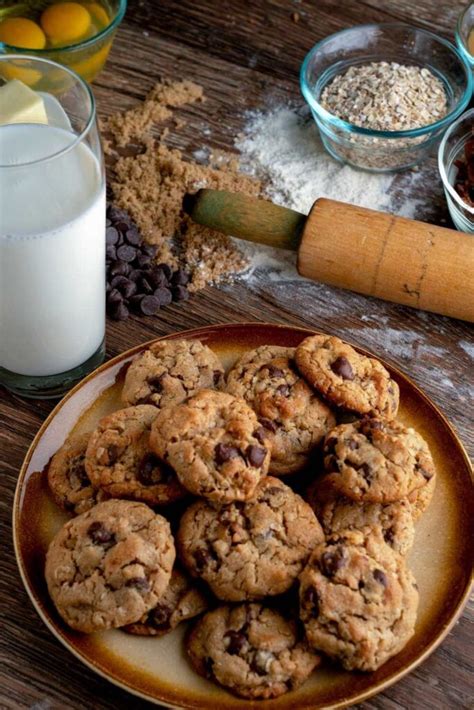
<point x="20" y="104"/>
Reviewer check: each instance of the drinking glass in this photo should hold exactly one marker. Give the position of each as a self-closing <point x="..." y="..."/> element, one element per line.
<point x="52" y="234"/>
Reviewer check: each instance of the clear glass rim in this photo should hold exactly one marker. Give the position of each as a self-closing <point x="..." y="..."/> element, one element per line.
<point x="411" y="133"/>
<point x="90" y="121"/>
<point x="460" y="21"/>
<point x="442" y="168"/>
<point x="10" y="48"/>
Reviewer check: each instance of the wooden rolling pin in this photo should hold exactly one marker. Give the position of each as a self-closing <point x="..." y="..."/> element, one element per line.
<point x="373" y="253"/>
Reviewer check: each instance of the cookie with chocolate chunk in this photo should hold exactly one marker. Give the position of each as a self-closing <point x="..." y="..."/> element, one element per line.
<point x="358" y="600"/>
<point x="68" y="481"/>
<point x="169" y="371"/>
<point x="346" y="378"/>
<point x="292" y="415"/>
<point x="376" y="461"/>
<point x="182" y="600"/>
<point x="110" y="565"/>
<point x="214" y="443"/>
<point x="120" y="462"/>
<point x="253" y="651"/>
<point x="253" y="549"/>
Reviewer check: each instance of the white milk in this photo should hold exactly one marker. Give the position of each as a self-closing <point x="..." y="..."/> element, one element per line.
<point x="52" y="251"/>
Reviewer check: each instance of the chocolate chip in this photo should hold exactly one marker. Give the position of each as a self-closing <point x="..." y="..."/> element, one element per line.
<point x="135" y="301"/>
<point x="123" y="225"/>
<point x="361" y="584"/>
<point x="119" y="312"/>
<point x="110" y="252"/>
<point x="268" y="424"/>
<point x="366" y="471"/>
<point x="275" y="371"/>
<point x="126" y="253"/>
<point x="166" y="270"/>
<point x="163" y="295"/>
<point x="145" y="285"/>
<point x="158" y="278"/>
<point x="389" y="536"/>
<point x="216" y="377"/>
<point x="380" y="577"/>
<point x="119" y="268"/>
<point x="143" y="260"/>
<point x="140" y="583"/>
<point x="202" y="558"/>
<point x="132" y="236"/>
<point x="255" y="455"/>
<point x="225" y="452"/>
<point x="353" y="444"/>
<point x="100" y="535"/>
<point x="149" y="472"/>
<point x="118" y="281"/>
<point x="108" y="222"/>
<point x="114" y="296"/>
<point x="332" y="561"/>
<point x="260" y="434"/>
<point x="149" y="250"/>
<point x="134" y="274"/>
<point x="180" y="278"/>
<point x="342" y="367"/>
<point x="235" y="642"/>
<point x="180" y="293"/>
<point x="79" y="471"/>
<point x="330" y="445"/>
<point x="311" y="599"/>
<point x="128" y="289"/>
<point x="112" y="454"/>
<point x="149" y="305"/>
<point x="116" y="214"/>
<point x="159" y="616"/>
<point x="111" y="236"/>
<point x="283" y="390"/>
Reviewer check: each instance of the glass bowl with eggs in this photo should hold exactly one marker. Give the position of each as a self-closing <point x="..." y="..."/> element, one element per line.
<point x="78" y="34"/>
<point x="383" y="94"/>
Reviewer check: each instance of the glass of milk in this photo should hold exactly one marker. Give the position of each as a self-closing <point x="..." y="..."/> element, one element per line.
<point x="52" y="228"/>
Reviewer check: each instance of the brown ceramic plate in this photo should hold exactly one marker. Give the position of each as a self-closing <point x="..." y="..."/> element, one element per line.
<point x="156" y="669"/>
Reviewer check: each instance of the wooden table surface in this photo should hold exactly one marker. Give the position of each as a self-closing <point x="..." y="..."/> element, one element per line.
<point x="246" y="54"/>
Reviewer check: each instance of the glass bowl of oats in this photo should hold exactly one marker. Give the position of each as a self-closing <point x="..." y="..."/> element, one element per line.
<point x="382" y="95"/>
<point x="456" y="167"/>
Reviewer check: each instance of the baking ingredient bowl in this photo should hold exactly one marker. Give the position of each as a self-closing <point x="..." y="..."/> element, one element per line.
<point x="464" y="28"/>
<point x="85" y="56"/>
<point x="451" y="149"/>
<point x="380" y="150"/>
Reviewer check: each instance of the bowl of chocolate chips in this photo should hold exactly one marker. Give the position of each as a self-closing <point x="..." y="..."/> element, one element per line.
<point x="456" y="167"/>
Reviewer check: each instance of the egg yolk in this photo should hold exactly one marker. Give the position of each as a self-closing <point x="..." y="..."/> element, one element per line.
<point x="98" y="13"/>
<point x="21" y="32"/>
<point x="65" y="22"/>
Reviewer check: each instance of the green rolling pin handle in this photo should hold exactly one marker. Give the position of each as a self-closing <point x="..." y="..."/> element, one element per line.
<point x="246" y="217"/>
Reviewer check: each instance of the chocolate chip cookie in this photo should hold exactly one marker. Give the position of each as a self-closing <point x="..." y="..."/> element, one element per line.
<point x="376" y="461"/>
<point x="251" y="650"/>
<point x="169" y="371"/>
<point x="182" y="600"/>
<point x="421" y="498"/>
<point x="345" y="378"/>
<point x="337" y="513"/>
<point x="120" y="462"/>
<point x="110" y="565"/>
<point x="358" y="600"/>
<point x="215" y="444"/>
<point x="250" y="550"/>
<point x="67" y="478"/>
<point x="293" y="416"/>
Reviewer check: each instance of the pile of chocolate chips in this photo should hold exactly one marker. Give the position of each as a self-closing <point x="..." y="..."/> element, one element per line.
<point x="464" y="182"/>
<point x="134" y="281"/>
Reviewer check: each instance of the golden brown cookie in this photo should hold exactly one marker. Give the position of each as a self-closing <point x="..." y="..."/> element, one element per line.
<point x="120" y="462"/>
<point x="376" y="461"/>
<point x="215" y="444"/>
<point x="110" y="565"/>
<point x="358" y="600"/>
<point x="68" y="480"/>
<point x="170" y="371"/>
<point x="346" y="378"/>
<point x="182" y="600"/>
<point x="295" y="418"/>
<point x="250" y="550"/>
<point x="253" y="651"/>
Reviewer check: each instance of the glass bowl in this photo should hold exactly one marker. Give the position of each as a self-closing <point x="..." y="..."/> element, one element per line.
<point x="382" y="151"/>
<point x="452" y="148"/>
<point x="463" y="29"/>
<point x="85" y="58"/>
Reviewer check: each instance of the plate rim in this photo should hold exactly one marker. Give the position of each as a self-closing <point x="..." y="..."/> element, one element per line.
<point x="361" y="696"/>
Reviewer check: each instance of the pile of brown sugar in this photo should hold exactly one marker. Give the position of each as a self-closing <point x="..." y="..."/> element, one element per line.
<point x="150" y="180"/>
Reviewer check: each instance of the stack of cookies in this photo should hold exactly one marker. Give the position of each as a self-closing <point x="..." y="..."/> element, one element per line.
<point x="276" y="578"/>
